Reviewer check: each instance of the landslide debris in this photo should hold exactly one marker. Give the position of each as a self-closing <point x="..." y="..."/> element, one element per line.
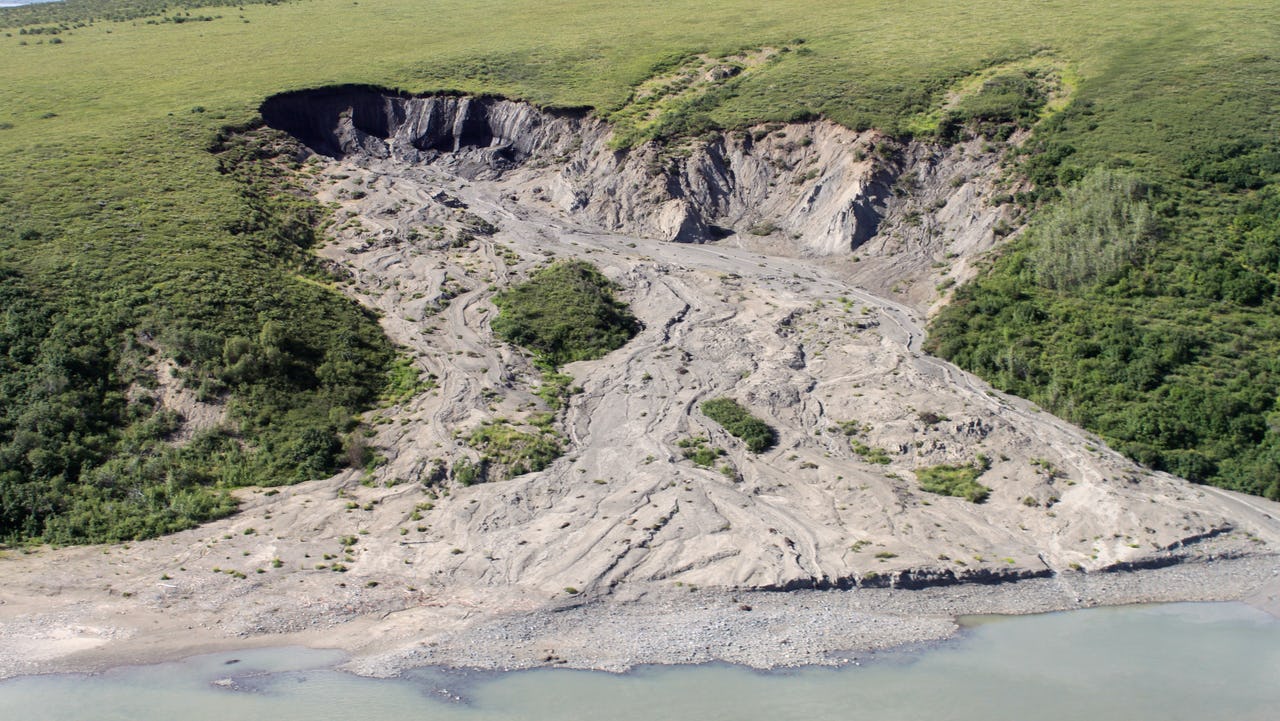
<point x="805" y="256"/>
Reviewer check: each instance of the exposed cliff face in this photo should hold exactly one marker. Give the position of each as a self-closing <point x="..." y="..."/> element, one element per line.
<point x="814" y="188"/>
<point x="492" y="134"/>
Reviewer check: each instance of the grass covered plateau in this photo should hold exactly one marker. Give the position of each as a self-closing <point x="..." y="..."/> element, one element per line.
<point x="136" y="232"/>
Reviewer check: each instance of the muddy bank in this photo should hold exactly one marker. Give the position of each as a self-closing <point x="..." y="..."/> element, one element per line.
<point x="671" y="625"/>
<point x="771" y="630"/>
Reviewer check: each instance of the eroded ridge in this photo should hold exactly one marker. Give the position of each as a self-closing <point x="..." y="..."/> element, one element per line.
<point x="811" y="189"/>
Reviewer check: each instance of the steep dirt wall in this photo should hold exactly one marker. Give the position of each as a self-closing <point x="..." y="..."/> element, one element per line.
<point x="357" y="120"/>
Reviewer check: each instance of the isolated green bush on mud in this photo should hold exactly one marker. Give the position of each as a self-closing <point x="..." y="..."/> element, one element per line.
<point x="565" y="312"/>
<point x="758" y="435"/>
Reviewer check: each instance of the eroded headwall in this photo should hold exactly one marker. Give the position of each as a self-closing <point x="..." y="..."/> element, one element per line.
<point x="817" y="187"/>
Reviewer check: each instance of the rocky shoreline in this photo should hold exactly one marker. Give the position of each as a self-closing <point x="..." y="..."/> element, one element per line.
<point x="635" y="625"/>
<point x="768" y="630"/>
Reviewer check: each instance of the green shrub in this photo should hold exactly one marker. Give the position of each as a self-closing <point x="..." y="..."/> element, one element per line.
<point x="404" y="381"/>
<point x="565" y="312"/>
<point x="556" y="389"/>
<point x="958" y="481"/>
<point x="467" y="472"/>
<point x="697" y="450"/>
<point x="870" y="454"/>
<point x="507" y="451"/>
<point x="757" y="434"/>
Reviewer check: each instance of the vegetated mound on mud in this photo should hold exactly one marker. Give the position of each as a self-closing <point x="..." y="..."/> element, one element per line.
<point x="564" y="313"/>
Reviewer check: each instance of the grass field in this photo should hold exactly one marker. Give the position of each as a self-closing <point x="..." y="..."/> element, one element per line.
<point x="116" y="221"/>
<point x="864" y="63"/>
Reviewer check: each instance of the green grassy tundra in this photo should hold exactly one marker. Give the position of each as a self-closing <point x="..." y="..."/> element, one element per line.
<point x="132" y="225"/>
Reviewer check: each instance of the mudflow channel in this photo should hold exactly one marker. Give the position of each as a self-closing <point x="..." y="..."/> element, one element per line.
<point x="758" y="298"/>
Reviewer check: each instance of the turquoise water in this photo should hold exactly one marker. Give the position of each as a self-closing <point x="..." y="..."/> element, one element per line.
<point x="1181" y="661"/>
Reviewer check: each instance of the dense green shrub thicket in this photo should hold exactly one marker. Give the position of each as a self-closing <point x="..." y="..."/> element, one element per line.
<point x="1142" y="301"/>
<point x="1161" y="332"/>
<point x="565" y="312"/>
<point x="758" y="435"/>
<point x="84" y="454"/>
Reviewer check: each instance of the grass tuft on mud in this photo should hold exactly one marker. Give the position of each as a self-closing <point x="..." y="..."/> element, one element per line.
<point x="958" y="481"/>
<point x="507" y="451"/>
<point x="758" y="435"/>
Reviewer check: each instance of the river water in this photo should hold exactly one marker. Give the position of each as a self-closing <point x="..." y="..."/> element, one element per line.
<point x="1169" y="662"/>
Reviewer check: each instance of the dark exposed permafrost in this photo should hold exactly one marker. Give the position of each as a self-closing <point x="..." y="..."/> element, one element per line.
<point x="357" y="119"/>
<point x="312" y="116"/>
<point x="913" y="579"/>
